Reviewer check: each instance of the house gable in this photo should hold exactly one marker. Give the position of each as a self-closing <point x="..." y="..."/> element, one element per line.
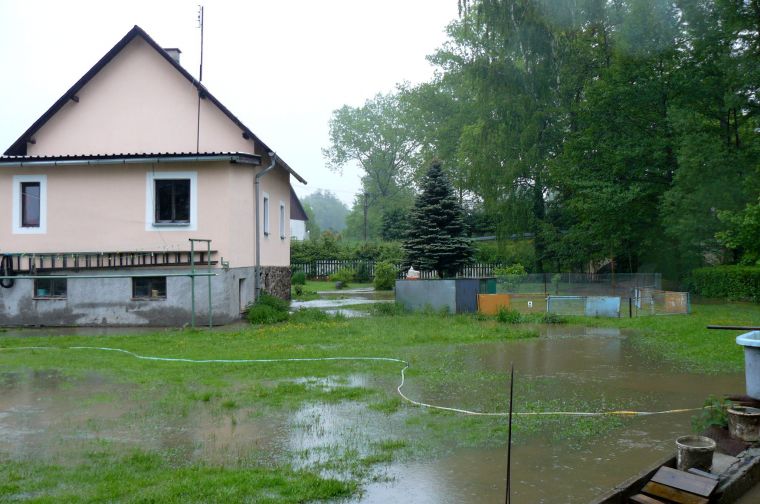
<point x="137" y="103"/>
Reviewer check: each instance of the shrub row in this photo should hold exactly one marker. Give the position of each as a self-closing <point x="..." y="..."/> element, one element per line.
<point x="730" y="282"/>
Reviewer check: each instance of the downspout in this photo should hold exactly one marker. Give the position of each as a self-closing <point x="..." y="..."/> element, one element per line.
<point x="257" y="239"/>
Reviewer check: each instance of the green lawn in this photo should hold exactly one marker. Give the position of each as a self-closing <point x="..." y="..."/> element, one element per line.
<point x="312" y="287"/>
<point x="89" y="462"/>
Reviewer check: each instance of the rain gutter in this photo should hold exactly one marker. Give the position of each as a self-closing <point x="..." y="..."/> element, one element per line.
<point x="127" y="160"/>
<point x="257" y="239"/>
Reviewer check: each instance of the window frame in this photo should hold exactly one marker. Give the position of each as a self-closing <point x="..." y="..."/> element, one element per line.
<point x="17" y="211"/>
<point x="150" y="280"/>
<point x="51" y="289"/>
<point x="175" y="183"/>
<point x="282" y="220"/>
<point x="150" y="201"/>
<point x="265" y="214"/>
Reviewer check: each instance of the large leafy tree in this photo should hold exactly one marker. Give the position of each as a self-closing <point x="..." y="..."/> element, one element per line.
<point x="436" y="238"/>
<point x="329" y="212"/>
<point x="377" y="139"/>
<point x="619" y="157"/>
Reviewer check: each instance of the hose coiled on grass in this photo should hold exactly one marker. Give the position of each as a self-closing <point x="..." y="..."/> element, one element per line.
<point x="624" y="413"/>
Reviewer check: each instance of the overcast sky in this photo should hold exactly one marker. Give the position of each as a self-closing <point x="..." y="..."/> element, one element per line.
<point x="281" y="66"/>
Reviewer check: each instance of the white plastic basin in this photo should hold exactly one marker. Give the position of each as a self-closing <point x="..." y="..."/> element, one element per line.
<point x="751" y="343"/>
<point x="751" y="339"/>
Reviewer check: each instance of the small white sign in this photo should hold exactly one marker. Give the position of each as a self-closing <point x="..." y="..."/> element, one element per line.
<point x="530" y="304"/>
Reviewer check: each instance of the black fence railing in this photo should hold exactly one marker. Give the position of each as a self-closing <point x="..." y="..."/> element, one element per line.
<point x="622" y="284"/>
<point x="366" y="269"/>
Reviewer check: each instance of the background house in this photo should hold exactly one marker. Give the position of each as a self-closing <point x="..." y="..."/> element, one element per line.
<point x="103" y="193"/>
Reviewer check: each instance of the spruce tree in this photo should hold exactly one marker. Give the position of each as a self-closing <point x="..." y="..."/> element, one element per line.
<point x="435" y="237"/>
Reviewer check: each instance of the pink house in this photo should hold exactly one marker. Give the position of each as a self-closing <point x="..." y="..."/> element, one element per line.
<point x="100" y="198"/>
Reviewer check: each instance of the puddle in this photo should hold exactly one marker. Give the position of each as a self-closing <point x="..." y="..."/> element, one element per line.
<point x="347" y="312"/>
<point x="45" y="414"/>
<point x="334" y="303"/>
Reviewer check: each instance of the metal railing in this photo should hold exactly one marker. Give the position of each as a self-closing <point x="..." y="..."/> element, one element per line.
<point x="56" y="261"/>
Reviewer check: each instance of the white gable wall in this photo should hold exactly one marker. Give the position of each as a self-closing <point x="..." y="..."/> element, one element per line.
<point x="138" y="103"/>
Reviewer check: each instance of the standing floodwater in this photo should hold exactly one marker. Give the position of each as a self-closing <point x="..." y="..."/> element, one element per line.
<point x="586" y="366"/>
<point x="345" y="411"/>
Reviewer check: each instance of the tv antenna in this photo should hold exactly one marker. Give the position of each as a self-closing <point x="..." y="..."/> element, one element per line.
<point x="200" y="25"/>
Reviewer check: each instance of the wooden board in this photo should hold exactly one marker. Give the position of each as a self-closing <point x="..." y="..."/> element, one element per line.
<point x="687" y="482"/>
<point x="673" y="494"/>
<point x="644" y="499"/>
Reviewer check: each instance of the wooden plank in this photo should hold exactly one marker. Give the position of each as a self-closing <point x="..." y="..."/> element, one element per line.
<point x="672" y="494"/>
<point x="687" y="482"/>
<point x="644" y="499"/>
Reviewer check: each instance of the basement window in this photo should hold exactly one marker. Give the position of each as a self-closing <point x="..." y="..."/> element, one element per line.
<point x="50" y="288"/>
<point x="149" y="287"/>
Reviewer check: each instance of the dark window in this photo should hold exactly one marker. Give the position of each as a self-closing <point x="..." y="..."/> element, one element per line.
<point x="149" y="287"/>
<point x="172" y="201"/>
<point x="30" y="204"/>
<point x="50" y="288"/>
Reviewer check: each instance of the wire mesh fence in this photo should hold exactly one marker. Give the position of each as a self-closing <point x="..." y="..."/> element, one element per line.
<point x="579" y="284"/>
<point x="646" y="302"/>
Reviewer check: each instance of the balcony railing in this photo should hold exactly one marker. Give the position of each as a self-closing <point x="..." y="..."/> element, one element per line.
<point x="56" y="261"/>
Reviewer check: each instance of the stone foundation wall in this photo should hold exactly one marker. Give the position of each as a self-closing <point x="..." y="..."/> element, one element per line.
<point x="275" y="280"/>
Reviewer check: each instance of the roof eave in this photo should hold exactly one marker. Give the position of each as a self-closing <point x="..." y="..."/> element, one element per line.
<point x="19" y="146"/>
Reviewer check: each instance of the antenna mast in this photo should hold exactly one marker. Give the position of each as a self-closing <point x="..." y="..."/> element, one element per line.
<point x="200" y="25"/>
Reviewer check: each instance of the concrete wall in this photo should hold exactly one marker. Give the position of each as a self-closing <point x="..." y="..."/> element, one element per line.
<point x="108" y="301"/>
<point x="418" y="295"/>
<point x="454" y="296"/>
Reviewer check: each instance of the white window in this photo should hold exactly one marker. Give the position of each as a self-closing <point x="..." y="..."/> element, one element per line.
<point x="266" y="214"/>
<point x="29" y="204"/>
<point x="282" y="220"/>
<point x="171" y="201"/>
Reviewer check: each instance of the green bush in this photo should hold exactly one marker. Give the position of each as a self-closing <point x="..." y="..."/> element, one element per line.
<point x="362" y="272"/>
<point x="730" y="282"/>
<point x="273" y="301"/>
<point x="344" y="275"/>
<point x="265" y="314"/>
<point x="715" y="412"/>
<point x="507" y="316"/>
<point x="385" y="276"/>
<point x="268" y="309"/>
<point x="298" y="278"/>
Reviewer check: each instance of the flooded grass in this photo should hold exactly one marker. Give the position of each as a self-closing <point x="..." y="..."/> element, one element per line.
<point x="72" y="420"/>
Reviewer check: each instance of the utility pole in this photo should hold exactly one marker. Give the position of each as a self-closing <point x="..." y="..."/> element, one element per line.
<point x="366" y="206"/>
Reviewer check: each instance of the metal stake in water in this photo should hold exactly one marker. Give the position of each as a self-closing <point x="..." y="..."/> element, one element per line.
<point x="509" y="430"/>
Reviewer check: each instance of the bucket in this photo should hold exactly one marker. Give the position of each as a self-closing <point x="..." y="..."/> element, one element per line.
<point x="744" y="423"/>
<point x="751" y="343"/>
<point x="695" y="451"/>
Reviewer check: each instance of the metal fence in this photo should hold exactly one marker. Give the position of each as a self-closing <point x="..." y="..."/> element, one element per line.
<point x="579" y="284"/>
<point x="366" y="269"/>
<point x="645" y="302"/>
